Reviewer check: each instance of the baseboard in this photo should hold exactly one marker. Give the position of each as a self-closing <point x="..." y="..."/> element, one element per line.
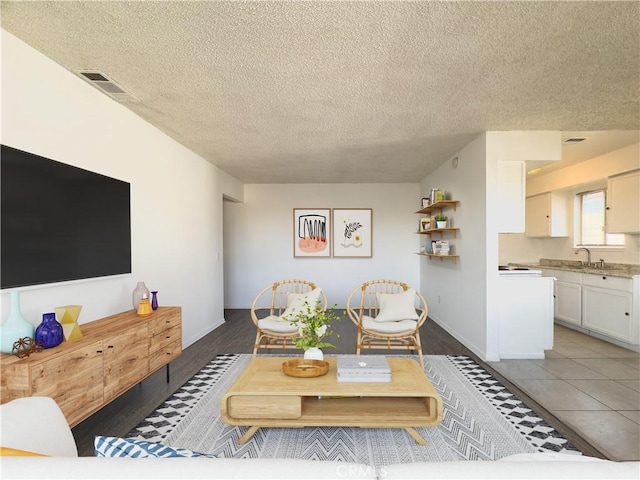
<point x="188" y="342"/>
<point x="458" y="336"/>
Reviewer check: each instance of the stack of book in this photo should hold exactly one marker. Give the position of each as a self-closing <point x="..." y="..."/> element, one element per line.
<point x="441" y="247"/>
<point x="363" y="368"/>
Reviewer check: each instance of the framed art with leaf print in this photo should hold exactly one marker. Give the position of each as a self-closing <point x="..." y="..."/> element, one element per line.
<point x="352" y="232"/>
<point x="311" y="232"/>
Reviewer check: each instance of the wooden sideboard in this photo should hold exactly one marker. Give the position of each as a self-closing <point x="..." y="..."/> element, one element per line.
<point x="83" y="375"/>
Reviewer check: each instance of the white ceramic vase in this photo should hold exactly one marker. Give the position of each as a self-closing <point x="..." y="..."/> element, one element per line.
<point x="313" y="353"/>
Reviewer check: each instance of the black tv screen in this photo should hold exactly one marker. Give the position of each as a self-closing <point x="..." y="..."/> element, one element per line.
<point x="60" y="222"/>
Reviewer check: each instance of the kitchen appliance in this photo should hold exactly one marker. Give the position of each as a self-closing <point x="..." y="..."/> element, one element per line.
<point x="510" y="271"/>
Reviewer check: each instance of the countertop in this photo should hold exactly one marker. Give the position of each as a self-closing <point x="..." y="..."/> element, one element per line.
<point x="612" y="269"/>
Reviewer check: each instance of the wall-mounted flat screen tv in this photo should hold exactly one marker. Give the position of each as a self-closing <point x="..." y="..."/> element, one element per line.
<point x="60" y="222"/>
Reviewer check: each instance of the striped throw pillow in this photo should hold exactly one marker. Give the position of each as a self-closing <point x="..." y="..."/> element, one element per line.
<point x="129" y="447"/>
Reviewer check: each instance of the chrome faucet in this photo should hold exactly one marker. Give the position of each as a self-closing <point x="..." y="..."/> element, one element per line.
<point x="588" y="255"/>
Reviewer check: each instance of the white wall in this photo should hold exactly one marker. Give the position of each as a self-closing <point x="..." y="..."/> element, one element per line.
<point x="456" y="293"/>
<point x="583" y="176"/>
<point x="176" y="201"/>
<point x="259" y="238"/>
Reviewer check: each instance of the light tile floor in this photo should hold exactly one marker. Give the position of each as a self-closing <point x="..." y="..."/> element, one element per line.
<point x="591" y="385"/>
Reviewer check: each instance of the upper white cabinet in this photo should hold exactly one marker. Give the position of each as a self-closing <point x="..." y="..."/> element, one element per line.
<point x="623" y="203"/>
<point x="510" y="192"/>
<point x="546" y="216"/>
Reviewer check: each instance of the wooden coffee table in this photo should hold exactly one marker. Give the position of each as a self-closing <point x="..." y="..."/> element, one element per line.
<point x="263" y="396"/>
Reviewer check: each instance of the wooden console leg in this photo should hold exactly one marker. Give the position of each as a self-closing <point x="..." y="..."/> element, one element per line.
<point x="249" y="433"/>
<point x="415" y="435"/>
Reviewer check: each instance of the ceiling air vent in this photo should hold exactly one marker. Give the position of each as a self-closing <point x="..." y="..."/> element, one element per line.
<point x="108" y="86"/>
<point x="575" y="139"/>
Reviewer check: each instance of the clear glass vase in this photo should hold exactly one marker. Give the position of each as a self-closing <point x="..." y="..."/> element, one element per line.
<point x="140" y="290"/>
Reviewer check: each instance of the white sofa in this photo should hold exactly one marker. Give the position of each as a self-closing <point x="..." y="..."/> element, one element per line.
<point x="36" y="424"/>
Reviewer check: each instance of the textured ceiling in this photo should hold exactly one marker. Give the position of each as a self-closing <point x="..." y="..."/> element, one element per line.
<point x="312" y="92"/>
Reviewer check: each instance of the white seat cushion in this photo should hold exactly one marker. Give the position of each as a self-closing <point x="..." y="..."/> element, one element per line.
<point x="276" y="324"/>
<point x="401" y="326"/>
<point x="397" y="306"/>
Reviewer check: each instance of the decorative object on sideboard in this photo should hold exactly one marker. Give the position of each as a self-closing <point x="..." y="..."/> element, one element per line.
<point x="49" y="332"/>
<point x="25" y="347"/>
<point x="154" y="300"/>
<point x="144" y="307"/>
<point x="140" y="290"/>
<point x="15" y="326"/>
<point x="68" y="318"/>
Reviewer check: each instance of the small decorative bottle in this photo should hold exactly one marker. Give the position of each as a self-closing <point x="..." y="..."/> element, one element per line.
<point x="144" y="307"/>
<point x="154" y="300"/>
<point x="140" y="290"/>
<point x="15" y="327"/>
<point x="49" y="332"/>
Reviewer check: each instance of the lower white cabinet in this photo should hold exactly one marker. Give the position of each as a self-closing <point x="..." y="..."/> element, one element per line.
<point x="568" y="302"/>
<point x="599" y="303"/>
<point x="608" y="312"/>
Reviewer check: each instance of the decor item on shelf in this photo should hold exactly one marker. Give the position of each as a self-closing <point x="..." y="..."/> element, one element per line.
<point x="425" y="224"/>
<point x="49" y="332"/>
<point x="15" y="327"/>
<point x="68" y="318"/>
<point x="313" y="325"/>
<point x="441" y="221"/>
<point x="26" y="346"/>
<point x="140" y="290"/>
<point x="154" y="300"/>
<point x="144" y="307"/>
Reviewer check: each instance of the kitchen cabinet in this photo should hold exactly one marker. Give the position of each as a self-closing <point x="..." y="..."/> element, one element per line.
<point x="546" y="215"/>
<point x="511" y="196"/>
<point x="623" y="203"/>
<point x="602" y="304"/>
<point x="568" y="297"/>
<point x="607" y="307"/>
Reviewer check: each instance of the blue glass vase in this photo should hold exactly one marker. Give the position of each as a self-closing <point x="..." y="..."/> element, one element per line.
<point x="49" y="332"/>
<point x="15" y="327"/>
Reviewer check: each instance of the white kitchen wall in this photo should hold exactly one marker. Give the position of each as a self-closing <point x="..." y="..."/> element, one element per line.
<point x="583" y="176"/>
<point x="258" y="238"/>
<point x="176" y="197"/>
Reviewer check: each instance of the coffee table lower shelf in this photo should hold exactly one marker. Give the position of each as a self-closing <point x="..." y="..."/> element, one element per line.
<point x="349" y="405"/>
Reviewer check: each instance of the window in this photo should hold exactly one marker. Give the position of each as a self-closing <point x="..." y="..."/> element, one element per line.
<point x="592" y="221"/>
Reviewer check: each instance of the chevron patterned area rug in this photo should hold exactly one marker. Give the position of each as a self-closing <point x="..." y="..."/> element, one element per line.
<point x="482" y="420"/>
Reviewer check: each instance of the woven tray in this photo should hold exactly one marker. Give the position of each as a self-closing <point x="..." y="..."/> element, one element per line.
<point x="300" y="367"/>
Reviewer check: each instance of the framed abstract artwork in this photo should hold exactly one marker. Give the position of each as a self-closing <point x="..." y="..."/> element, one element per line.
<point x="311" y="232"/>
<point x="352" y="229"/>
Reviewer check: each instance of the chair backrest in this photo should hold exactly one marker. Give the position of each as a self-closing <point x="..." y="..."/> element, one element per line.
<point x="363" y="300"/>
<point x="272" y="300"/>
<point x="36" y="424"/>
